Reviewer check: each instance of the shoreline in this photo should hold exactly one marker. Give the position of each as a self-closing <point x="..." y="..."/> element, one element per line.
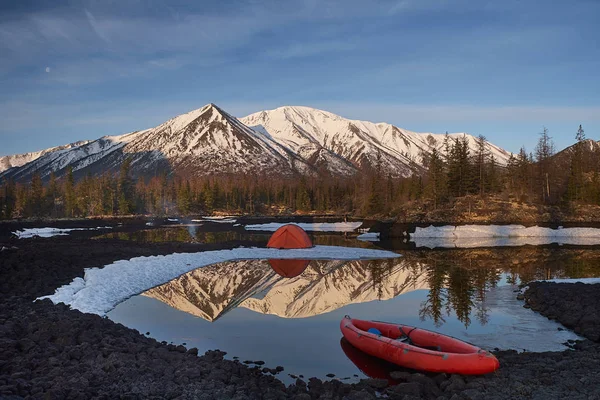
<point x="51" y="351"/>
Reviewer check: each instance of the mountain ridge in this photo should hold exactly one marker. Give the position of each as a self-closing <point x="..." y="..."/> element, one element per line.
<point x="288" y="141"/>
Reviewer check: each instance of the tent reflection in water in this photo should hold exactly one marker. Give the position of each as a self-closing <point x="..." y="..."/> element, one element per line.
<point x="289" y="236"/>
<point x="288" y="268"/>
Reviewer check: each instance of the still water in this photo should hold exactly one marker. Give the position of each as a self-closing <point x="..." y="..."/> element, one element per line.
<point x="288" y="313"/>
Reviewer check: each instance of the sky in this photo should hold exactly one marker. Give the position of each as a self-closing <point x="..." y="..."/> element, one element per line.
<point x="75" y="70"/>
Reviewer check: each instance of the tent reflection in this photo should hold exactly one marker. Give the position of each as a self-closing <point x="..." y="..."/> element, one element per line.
<point x="288" y="268"/>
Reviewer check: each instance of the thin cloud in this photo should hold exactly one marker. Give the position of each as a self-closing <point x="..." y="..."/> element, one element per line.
<point x="302" y="50"/>
<point x="96" y="27"/>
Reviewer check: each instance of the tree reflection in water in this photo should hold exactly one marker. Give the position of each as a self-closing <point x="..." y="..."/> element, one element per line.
<point x="457" y="281"/>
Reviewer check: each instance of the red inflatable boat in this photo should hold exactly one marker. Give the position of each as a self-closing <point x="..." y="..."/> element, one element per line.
<point x="416" y="348"/>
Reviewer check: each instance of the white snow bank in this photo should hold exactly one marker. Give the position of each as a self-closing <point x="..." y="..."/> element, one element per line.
<point x="501" y="235"/>
<point x="494" y="231"/>
<point x="369" y="236"/>
<point x="310" y="227"/>
<point x="101" y="289"/>
<point x="503" y="242"/>
<point x="173" y="219"/>
<point x="220" y="220"/>
<point x="49" y="232"/>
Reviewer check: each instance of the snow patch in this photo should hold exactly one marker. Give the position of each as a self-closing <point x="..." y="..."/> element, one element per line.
<point x="101" y="289"/>
<point x="220" y="220"/>
<point x="309" y="227"/>
<point x="49" y="232"/>
<point x="469" y="236"/>
<point x="369" y="236"/>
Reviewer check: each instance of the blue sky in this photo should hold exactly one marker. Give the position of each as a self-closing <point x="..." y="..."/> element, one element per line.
<point x="83" y="69"/>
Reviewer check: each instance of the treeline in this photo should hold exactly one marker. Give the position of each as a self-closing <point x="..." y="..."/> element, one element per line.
<point x="541" y="176"/>
<point x="452" y="171"/>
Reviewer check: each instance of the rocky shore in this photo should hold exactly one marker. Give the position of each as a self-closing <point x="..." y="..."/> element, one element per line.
<point x="575" y="305"/>
<point x="52" y="352"/>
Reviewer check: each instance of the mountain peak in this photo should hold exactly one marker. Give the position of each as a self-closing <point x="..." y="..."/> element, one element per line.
<point x="287" y="140"/>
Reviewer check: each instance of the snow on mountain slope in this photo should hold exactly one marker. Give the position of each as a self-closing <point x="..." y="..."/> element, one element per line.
<point x="324" y="286"/>
<point x="359" y="142"/>
<point x="18" y="160"/>
<point x="286" y="141"/>
<point x="78" y="157"/>
<point x="203" y="141"/>
<point x="209" y="140"/>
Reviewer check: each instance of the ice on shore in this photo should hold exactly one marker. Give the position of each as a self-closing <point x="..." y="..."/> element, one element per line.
<point x="101" y="289"/>
<point x="308" y="226"/>
<point x="369" y="236"/>
<point x="468" y="236"/>
<point x="49" y="232"/>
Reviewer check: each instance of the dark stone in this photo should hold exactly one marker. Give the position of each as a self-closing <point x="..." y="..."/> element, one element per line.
<point x="193" y="351"/>
<point x="376" y="383"/>
<point x="359" y="395"/>
<point x="404" y="389"/>
<point x="400" y="375"/>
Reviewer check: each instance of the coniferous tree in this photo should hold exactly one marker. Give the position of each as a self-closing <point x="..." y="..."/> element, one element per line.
<point x="126" y="199"/>
<point x="9" y="195"/>
<point x="435" y="187"/>
<point x="543" y="151"/>
<point x="69" y="190"/>
<point x="480" y="164"/>
<point x="576" y="181"/>
<point x="459" y="168"/>
<point x="51" y="196"/>
<point x="36" y="196"/>
<point x="580" y="135"/>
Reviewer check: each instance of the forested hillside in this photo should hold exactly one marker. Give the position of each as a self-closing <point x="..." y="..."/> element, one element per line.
<point x="570" y="177"/>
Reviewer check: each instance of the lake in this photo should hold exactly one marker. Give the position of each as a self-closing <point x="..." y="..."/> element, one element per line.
<point x="287" y="312"/>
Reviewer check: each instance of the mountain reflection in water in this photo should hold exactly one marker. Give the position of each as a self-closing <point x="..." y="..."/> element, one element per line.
<point x="457" y="282"/>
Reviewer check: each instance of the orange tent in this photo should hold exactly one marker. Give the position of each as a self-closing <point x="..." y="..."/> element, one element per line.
<point x="290" y="236"/>
<point x="288" y="268"/>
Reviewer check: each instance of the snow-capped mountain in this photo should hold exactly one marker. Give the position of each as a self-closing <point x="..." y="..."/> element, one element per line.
<point x="286" y="141"/>
<point x="308" y="131"/>
<point x="324" y="286"/>
<point x="204" y="141"/>
<point x="18" y="160"/>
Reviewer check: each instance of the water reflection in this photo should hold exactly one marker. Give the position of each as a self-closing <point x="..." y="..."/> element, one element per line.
<point x="288" y="268"/>
<point x="185" y="233"/>
<point x="457" y="282"/>
<point x="372" y="367"/>
<point x="218" y="233"/>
